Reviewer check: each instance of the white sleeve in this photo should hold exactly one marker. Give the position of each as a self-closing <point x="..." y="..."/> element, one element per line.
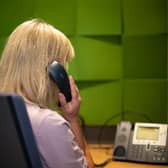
<point x="57" y="145"/>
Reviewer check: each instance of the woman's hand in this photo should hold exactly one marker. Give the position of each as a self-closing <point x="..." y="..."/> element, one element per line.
<point x="70" y="109"/>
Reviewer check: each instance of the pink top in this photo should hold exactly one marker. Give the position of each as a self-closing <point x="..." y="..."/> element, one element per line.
<point x="55" y="140"/>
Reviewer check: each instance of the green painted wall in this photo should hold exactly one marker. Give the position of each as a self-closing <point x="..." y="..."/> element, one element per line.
<point x="121" y="53"/>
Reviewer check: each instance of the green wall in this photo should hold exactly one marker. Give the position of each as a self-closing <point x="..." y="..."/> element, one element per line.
<point x="121" y="62"/>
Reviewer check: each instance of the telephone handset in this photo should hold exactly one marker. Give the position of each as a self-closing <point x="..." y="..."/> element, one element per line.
<point x="141" y="142"/>
<point x="59" y="75"/>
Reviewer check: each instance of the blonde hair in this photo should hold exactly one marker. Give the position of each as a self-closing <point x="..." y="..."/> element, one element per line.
<point x="30" y="48"/>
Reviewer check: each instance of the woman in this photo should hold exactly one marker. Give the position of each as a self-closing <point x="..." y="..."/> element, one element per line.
<point x="30" y="49"/>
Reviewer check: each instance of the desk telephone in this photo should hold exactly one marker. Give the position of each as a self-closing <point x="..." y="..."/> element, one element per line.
<point x="141" y="142"/>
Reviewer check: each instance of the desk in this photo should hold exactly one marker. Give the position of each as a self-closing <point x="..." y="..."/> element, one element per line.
<point x="101" y="152"/>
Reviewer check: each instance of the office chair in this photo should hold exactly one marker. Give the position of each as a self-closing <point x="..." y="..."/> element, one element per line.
<point x="18" y="147"/>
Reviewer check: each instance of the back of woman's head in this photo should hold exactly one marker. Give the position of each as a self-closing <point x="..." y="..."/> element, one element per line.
<point x="30" y="48"/>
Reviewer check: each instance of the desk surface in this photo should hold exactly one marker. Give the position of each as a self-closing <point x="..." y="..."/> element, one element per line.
<point x="102" y="152"/>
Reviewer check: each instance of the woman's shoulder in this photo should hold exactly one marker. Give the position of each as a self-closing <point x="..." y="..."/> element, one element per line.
<point x="43" y="116"/>
<point x="53" y="134"/>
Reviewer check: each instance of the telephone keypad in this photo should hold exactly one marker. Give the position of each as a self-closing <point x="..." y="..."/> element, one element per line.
<point x="137" y="151"/>
<point x="155" y="153"/>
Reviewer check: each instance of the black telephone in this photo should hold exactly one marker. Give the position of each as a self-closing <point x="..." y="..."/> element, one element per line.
<point x="59" y="75"/>
<point x="141" y="142"/>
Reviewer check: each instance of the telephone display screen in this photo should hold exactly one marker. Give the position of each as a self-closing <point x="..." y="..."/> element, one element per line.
<point x="147" y="133"/>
